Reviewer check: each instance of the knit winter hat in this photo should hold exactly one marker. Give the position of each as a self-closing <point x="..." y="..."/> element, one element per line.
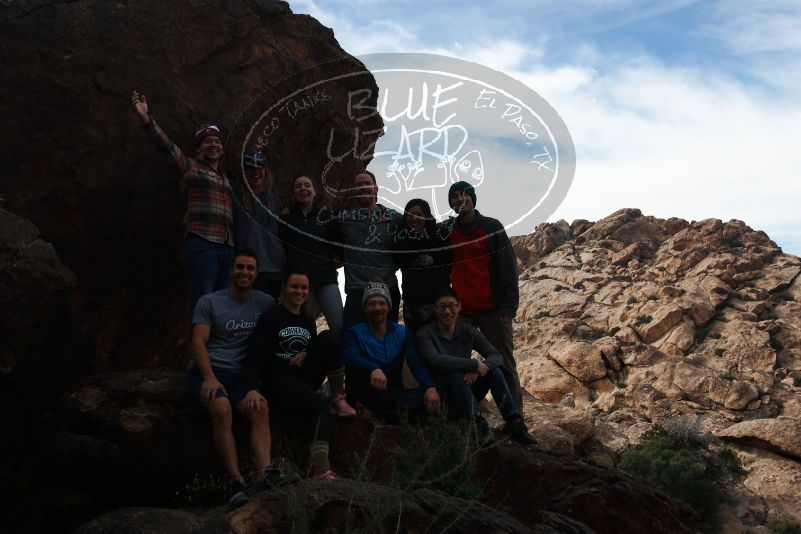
<point x="376" y="289"/>
<point x="462" y="186"/>
<point x="207" y="130"/>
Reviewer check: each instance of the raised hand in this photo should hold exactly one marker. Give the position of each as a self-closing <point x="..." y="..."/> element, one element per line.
<point x="140" y="107"/>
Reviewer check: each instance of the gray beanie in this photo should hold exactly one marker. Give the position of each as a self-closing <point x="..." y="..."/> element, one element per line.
<point x="376" y="289"/>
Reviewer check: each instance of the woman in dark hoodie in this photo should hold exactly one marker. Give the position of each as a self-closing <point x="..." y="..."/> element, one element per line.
<point x="424" y="258"/>
<point x="310" y="243"/>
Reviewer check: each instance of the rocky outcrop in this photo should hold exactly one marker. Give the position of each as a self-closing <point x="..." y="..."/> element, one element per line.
<point x="774" y="480"/>
<point x="323" y="506"/>
<point x="639" y="320"/>
<point x="125" y="439"/>
<point x="34" y="293"/>
<point x="780" y="435"/>
<point x="634" y="301"/>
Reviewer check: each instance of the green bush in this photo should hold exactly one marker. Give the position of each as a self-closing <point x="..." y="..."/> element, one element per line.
<point x="643" y="319"/>
<point x="720" y="352"/>
<point x="437" y="456"/>
<point x="783" y="526"/>
<point x="688" y="471"/>
<point x="632" y="300"/>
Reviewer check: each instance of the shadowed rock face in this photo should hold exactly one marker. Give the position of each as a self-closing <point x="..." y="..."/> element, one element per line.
<point x="77" y="165"/>
<point x="94" y="207"/>
<point x="133" y="439"/>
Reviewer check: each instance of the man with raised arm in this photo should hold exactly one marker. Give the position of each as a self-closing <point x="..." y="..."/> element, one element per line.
<point x="219" y="375"/>
<point x="484" y="274"/>
<point x="374" y="353"/>
<point x="208" y="200"/>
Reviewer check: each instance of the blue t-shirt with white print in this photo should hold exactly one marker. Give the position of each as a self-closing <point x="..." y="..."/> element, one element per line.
<point x="231" y="323"/>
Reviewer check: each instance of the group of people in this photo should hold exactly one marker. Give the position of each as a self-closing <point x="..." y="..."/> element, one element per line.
<point x="260" y="274"/>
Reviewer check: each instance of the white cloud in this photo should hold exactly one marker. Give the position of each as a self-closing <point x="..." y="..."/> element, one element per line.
<point x="757" y="26"/>
<point x="693" y="141"/>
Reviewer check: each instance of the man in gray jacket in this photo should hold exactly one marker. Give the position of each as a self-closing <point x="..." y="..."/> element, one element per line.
<point x="367" y="231"/>
<point x="447" y="346"/>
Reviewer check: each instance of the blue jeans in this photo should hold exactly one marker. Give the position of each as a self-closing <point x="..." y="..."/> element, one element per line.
<point x="465" y="401"/>
<point x="328" y="298"/>
<point x="208" y="265"/>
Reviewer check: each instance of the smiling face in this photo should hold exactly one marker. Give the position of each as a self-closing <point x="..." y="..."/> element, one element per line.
<point x="446" y="309"/>
<point x="377" y="309"/>
<point x="415" y="218"/>
<point x="255" y="176"/>
<point x="211" y="148"/>
<point x="461" y="203"/>
<point x="296" y="289"/>
<point x="244" y="271"/>
<point x="365" y="190"/>
<point x="303" y="191"/>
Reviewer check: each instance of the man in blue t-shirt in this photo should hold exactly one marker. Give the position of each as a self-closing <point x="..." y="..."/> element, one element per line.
<point x="374" y="353"/>
<point x="221" y="327"/>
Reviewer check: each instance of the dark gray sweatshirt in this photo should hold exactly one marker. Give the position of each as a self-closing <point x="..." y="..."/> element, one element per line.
<point x="444" y="356"/>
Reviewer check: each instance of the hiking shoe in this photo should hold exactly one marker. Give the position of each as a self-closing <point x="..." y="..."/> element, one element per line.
<point x="238" y="496"/>
<point x="340" y="406"/>
<point x="517" y="429"/>
<point x="272" y="477"/>
<point x="484" y="433"/>
<point x="326" y="475"/>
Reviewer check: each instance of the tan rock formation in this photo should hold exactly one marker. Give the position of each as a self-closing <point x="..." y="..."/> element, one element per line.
<point x="640" y="320"/>
<point x="781" y="435"/>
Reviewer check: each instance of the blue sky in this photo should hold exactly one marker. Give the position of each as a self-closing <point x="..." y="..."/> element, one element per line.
<point x="680" y="108"/>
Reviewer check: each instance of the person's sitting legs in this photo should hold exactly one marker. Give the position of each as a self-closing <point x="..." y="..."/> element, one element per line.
<point x="495" y="382"/>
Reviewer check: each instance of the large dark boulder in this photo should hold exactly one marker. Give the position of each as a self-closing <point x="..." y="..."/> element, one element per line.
<point x="90" y="252"/>
<point x="135" y="439"/>
<point x="78" y="166"/>
<point x="322" y="506"/>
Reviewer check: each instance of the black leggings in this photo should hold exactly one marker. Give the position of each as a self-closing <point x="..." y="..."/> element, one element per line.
<point x="294" y="390"/>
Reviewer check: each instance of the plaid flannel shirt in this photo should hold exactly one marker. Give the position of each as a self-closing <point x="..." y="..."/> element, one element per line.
<point x="206" y="194"/>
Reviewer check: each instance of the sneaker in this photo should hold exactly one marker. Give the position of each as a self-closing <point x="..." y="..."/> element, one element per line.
<point x="272" y="477"/>
<point x="326" y="475"/>
<point x="517" y="429"/>
<point x="340" y="406"/>
<point x="238" y="496"/>
<point x="484" y="433"/>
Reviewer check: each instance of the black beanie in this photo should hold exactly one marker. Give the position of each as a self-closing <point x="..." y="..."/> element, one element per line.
<point x="462" y="186"/>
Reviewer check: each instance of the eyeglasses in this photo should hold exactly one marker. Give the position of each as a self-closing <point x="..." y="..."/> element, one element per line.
<point x="453" y="306"/>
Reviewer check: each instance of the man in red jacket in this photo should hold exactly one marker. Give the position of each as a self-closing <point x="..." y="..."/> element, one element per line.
<point x="484" y="273"/>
